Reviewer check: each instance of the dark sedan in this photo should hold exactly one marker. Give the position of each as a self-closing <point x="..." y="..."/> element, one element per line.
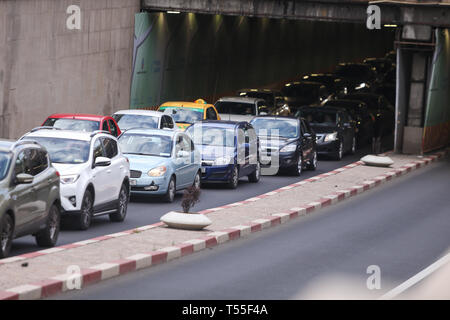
<point x="335" y="85"/>
<point x="334" y="131"/>
<point x="303" y="93"/>
<point x="286" y="143"/>
<point x="363" y="120"/>
<point x="361" y="76"/>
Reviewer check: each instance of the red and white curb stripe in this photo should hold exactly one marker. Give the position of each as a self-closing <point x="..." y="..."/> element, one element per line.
<point x="97" y="273"/>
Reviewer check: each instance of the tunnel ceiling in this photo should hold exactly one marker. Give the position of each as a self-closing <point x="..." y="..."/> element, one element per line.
<point x="434" y="13"/>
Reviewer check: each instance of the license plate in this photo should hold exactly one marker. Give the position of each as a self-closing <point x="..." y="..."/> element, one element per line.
<point x="133" y="182"/>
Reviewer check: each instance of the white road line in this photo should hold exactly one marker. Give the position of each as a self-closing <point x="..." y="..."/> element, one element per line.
<point x="415" y="279"/>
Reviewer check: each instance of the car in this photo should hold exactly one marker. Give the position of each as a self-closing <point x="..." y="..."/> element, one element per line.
<point x="82" y="122"/>
<point x="273" y="98"/>
<point x="360" y="76"/>
<point x="187" y="113"/>
<point x="289" y="140"/>
<point x="95" y="175"/>
<point x="29" y="195"/>
<point x="229" y="151"/>
<point x="240" y="108"/>
<point x="335" y="134"/>
<point x="363" y="120"/>
<point x="380" y="107"/>
<point x="161" y="161"/>
<point x="303" y="93"/>
<point x="143" y="119"/>
<point x="381" y="66"/>
<point x="335" y="85"/>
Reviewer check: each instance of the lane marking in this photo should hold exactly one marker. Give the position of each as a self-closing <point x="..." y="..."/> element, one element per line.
<point x="415" y="279"/>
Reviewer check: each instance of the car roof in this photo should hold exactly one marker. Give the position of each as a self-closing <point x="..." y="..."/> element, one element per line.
<point x="239" y="99"/>
<point x="160" y="132"/>
<point x="185" y="104"/>
<point x="220" y="123"/>
<point x="78" y="116"/>
<point x="64" y="134"/>
<point x="275" y="117"/>
<point x="142" y="112"/>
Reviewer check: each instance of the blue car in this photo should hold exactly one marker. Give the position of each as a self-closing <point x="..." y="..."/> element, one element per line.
<point x="161" y="161"/>
<point x="229" y="151"/>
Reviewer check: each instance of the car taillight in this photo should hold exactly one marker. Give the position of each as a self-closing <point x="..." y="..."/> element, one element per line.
<point x="57" y="173"/>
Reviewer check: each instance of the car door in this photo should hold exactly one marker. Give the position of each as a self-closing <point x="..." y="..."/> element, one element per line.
<point x="306" y="141"/>
<point x="347" y="130"/>
<point x="23" y="195"/>
<point x="193" y="164"/>
<point x="252" y="148"/>
<point x="181" y="163"/>
<point x="41" y="182"/>
<point x="113" y="171"/>
<point x="100" y="176"/>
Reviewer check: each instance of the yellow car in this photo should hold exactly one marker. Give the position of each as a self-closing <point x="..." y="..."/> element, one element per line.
<point x="186" y="113"/>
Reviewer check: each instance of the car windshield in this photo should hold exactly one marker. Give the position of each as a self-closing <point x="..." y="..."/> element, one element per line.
<point x="184" y="115"/>
<point x="72" y="124"/>
<point x="146" y="145"/>
<point x="211" y="136"/>
<point x="5" y="159"/>
<point x="238" y="108"/>
<point x="266" y="96"/>
<point x="310" y="91"/>
<point x="128" y="121"/>
<point x="319" y="117"/>
<point x="285" y="128"/>
<point x="61" y="150"/>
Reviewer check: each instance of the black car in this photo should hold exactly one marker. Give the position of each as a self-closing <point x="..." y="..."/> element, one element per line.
<point x="335" y="85"/>
<point x="286" y="143"/>
<point x="381" y="66"/>
<point x="335" y="134"/>
<point x="361" y="76"/>
<point x="303" y="93"/>
<point x="380" y="107"/>
<point x="362" y="118"/>
<point x="273" y="98"/>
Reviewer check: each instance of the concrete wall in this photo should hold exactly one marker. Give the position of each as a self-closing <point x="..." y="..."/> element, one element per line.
<point x="46" y="68"/>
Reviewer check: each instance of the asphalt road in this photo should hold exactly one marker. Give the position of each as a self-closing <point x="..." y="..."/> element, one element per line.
<point x="143" y="210"/>
<point x="401" y="226"/>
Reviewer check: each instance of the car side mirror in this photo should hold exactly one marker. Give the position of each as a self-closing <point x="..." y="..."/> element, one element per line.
<point x="24" y="178"/>
<point x="102" y="162"/>
<point x="182" y="154"/>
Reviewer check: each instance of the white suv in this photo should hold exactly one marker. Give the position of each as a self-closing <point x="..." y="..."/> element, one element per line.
<point x="94" y="173"/>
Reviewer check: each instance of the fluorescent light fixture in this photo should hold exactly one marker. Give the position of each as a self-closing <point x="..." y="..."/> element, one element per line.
<point x="173" y="12"/>
<point x="390" y="26"/>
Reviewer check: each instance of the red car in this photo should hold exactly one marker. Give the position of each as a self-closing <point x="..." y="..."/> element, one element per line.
<point x="83" y="122"/>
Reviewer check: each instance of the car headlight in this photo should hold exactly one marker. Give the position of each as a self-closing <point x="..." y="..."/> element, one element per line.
<point x="157" y="172"/>
<point x="68" y="179"/>
<point x="289" y="148"/>
<point x="222" y="161"/>
<point x="330" y="137"/>
<point x="361" y="85"/>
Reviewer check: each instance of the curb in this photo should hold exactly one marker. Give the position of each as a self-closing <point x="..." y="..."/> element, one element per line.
<point x="104" y="271"/>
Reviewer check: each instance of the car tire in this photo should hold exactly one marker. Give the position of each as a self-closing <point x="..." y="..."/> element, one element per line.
<point x="171" y="190"/>
<point x="256" y="175"/>
<point x="6" y="235"/>
<point x="234" y="180"/>
<point x="297" y="169"/>
<point x="49" y="236"/>
<point x="197" y="180"/>
<point x="313" y="164"/>
<point x="122" y="205"/>
<point x="84" y="219"/>
<point x="339" y="153"/>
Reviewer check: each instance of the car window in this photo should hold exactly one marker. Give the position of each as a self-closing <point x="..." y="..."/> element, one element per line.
<point x="237" y="108"/>
<point x="5" y="160"/>
<point x="110" y="147"/>
<point x="38" y="161"/>
<point x="182" y="144"/>
<point x="98" y="149"/>
<point x="72" y="124"/>
<point x="166" y="122"/>
<point x="24" y="162"/>
<point x="113" y="128"/>
<point x="105" y="125"/>
<point x="211" y="114"/>
<point x="128" y="121"/>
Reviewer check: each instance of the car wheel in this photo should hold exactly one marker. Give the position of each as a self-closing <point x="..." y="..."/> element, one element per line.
<point x="170" y="194"/>
<point x="297" y="170"/>
<point x="313" y="164"/>
<point x="122" y="205"/>
<point x="6" y="235"/>
<point x="87" y="209"/>
<point x="197" y="180"/>
<point x="48" y="236"/>
<point x="353" y="149"/>
<point x="256" y="175"/>
<point x="234" y="180"/>
<point x="339" y="152"/>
